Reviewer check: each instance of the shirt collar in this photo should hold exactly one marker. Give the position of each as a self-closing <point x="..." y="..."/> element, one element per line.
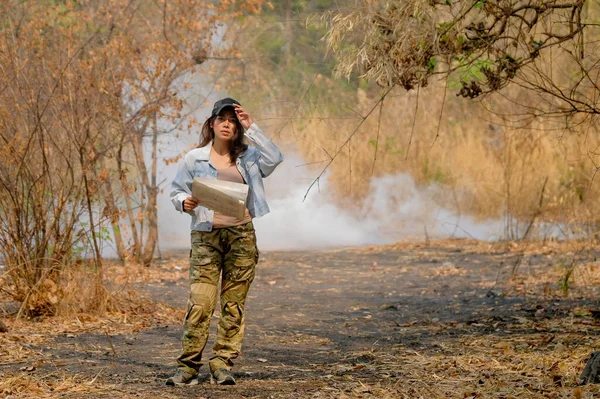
<point x="204" y="152"/>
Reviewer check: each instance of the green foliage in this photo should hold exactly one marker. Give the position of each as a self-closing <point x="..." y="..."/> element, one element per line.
<point x="388" y="146"/>
<point x="273" y="46"/>
<point x="287" y="42"/>
<point x="565" y="281"/>
<point x="431" y="64"/>
<point x="104" y="234"/>
<point x="434" y="174"/>
<point x="468" y="71"/>
<point x="570" y="180"/>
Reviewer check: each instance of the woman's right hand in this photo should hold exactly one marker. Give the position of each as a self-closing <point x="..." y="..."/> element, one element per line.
<point x="189" y="204"/>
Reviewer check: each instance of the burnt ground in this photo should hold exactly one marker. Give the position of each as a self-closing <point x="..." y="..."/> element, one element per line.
<point x="450" y="319"/>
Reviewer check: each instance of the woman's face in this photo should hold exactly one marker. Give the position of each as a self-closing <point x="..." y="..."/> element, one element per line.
<point x="224" y="125"/>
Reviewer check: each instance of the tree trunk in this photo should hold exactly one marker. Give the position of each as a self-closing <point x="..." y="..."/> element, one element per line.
<point x="150" y="211"/>
<point x="88" y="194"/>
<point x="125" y="187"/>
<point x="113" y="213"/>
<point x="152" y="237"/>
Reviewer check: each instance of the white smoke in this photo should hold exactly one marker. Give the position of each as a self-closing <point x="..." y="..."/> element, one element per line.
<point x="395" y="209"/>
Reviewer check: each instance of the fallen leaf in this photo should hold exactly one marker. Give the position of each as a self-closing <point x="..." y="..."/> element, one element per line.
<point x="502" y="345"/>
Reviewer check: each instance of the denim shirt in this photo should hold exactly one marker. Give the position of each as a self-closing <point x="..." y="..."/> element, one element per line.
<point x="256" y="162"/>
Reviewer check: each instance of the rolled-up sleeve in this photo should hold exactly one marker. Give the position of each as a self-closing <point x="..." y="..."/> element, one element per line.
<point x="181" y="187"/>
<point x="269" y="154"/>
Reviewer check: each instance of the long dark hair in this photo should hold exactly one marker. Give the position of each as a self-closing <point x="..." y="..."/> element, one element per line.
<point x="237" y="144"/>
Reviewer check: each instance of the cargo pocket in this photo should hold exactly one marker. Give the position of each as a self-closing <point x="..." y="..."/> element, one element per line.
<point x="200" y="253"/>
<point x="202" y="268"/>
<point x="243" y="269"/>
<point x="199" y="260"/>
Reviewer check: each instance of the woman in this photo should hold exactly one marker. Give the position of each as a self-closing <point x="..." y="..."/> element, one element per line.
<point x="222" y="246"/>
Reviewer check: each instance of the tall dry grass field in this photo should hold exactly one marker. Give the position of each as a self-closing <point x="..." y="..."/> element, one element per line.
<point x="519" y="155"/>
<point x="487" y="166"/>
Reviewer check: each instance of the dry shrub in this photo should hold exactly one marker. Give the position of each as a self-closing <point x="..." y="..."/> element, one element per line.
<point x="117" y="295"/>
<point x="401" y="43"/>
<point x="82" y="85"/>
<point x="78" y="289"/>
<point x="82" y="302"/>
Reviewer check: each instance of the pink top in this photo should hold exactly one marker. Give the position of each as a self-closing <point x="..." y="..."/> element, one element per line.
<point x="232" y="174"/>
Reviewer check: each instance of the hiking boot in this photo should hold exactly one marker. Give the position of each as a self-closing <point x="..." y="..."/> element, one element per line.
<point x="182" y="377"/>
<point x="224" y="377"/>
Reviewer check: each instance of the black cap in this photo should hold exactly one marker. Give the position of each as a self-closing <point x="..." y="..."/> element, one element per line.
<point x="224" y="103"/>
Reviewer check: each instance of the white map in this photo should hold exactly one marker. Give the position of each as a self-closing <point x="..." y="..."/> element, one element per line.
<point x="225" y="197"/>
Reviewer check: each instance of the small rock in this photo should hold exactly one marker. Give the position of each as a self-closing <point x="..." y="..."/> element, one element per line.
<point x="3" y="327"/>
<point x="595" y="313"/>
<point x="591" y="372"/>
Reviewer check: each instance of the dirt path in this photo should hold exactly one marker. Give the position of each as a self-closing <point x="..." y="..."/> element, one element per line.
<point x="406" y="321"/>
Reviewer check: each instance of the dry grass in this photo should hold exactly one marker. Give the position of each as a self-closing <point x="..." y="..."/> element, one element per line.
<point x="499" y="355"/>
<point x="80" y="291"/>
<point x="523" y="359"/>
<point x="128" y="311"/>
<point x="537" y="268"/>
<point x="520" y="365"/>
<point x="51" y="385"/>
<point x="485" y="168"/>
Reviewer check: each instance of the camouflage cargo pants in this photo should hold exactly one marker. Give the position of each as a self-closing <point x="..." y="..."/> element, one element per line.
<point x="231" y="255"/>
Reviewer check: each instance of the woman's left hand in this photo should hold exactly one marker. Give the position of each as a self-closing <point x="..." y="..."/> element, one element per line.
<point x="243" y="116"/>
